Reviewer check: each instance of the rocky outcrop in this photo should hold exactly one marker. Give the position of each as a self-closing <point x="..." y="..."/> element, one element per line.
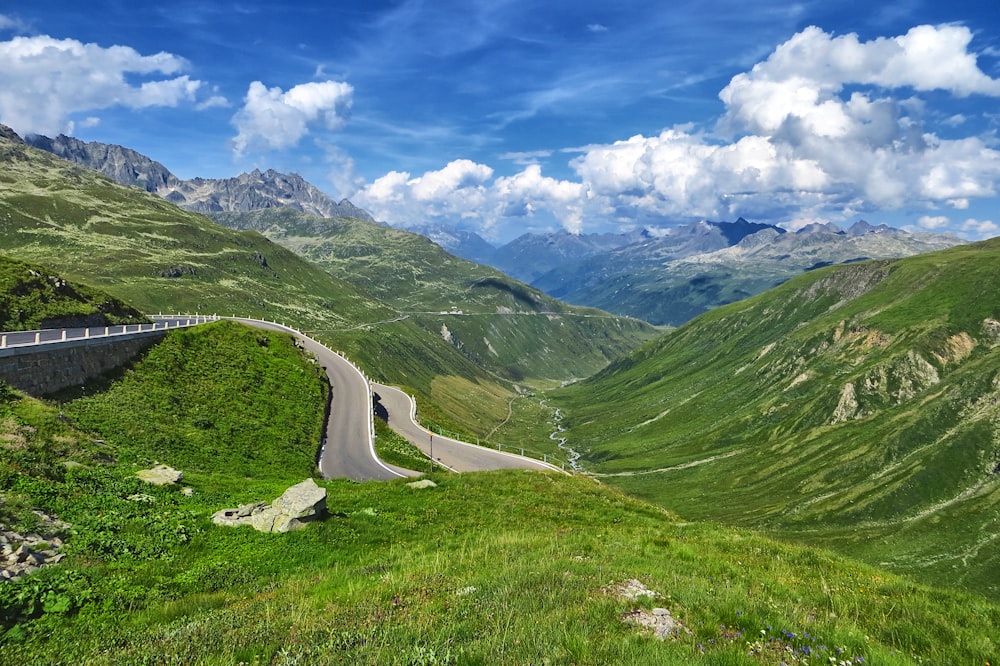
<point x="300" y="504"/>
<point x="658" y="621"/>
<point x="122" y="165"/>
<point x="160" y="475"/>
<point x="21" y="555"/>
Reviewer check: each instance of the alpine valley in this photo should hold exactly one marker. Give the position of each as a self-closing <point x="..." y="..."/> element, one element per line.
<point x="807" y="474"/>
<point x="667" y="276"/>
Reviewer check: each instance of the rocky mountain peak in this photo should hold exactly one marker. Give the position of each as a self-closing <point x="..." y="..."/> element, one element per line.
<point x="9" y="134"/>
<point x="255" y="190"/>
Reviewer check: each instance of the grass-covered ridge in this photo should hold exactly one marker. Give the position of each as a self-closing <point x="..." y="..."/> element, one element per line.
<point x="495" y="321"/>
<point x="205" y="387"/>
<point x="493" y="568"/>
<point x="853" y="406"/>
<point x="32" y="297"/>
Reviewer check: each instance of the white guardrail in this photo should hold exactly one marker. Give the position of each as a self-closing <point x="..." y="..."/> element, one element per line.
<point x="14" y="339"/>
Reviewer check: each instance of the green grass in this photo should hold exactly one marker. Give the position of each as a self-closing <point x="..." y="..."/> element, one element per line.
<point x="491" y="568"/>
<point x="31" y="297"/>
<point x="392" y="448"/>
<point x="186" y="401"/>
<point x="733" y="416"/>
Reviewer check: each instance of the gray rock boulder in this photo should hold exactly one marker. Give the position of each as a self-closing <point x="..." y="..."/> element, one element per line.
<point x="160" y="475"/>
<point x="300" y="504"/>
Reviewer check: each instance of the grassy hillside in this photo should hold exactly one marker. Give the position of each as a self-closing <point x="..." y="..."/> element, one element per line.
<point x="157" y="257"/>
<point x="491" y="568"/>
<point x="495" y="321"/>
<point x="31" y="297"/>
<point x="854" y="406"/>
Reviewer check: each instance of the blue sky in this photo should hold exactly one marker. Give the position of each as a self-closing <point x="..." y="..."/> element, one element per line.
<point x="508" y="116"/>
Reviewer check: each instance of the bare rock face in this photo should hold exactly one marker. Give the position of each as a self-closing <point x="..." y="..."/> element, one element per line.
<point x="300" y="504"/>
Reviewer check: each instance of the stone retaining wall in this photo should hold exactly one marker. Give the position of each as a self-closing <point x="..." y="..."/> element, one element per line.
<point x="43" y="369"/>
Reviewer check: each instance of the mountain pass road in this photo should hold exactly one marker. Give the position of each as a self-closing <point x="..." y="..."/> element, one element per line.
<point x="454" y="454"/>
<point x="348" y="452"/>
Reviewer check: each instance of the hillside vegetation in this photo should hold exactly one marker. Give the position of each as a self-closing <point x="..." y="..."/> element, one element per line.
<point x="489" y="568"/>
<point x="492" y="319"/>
<point x="855" y="406"/>
<point x="160" y="258"/>
<point x="32" y="298"/>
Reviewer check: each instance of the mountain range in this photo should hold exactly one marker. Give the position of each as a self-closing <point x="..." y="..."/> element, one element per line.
<point x="854" y="405"/>
<point x="248" y="191"/>
<point x="667" y="276"/>
<point x="421" y="333"/>
<point x="663" y="276"/>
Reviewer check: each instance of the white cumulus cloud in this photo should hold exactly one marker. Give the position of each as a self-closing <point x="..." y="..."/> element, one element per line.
<point x="824" y="128"/>
<point x="979" y="229"/>
<point x="466" y="191"/>
<point x="273" y="119"/>
<point x="45" y="80"/>
<point x="933" y="222"/>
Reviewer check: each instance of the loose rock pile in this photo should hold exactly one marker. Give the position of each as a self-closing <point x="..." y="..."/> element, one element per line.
<point x="659" y="621"/>
<point x="302" y="503"/>
<point x="21" y="555"/>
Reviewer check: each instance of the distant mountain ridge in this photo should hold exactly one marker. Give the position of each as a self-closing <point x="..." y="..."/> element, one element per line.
<point x="249" y="191"/>
<point x="668" y="276"/>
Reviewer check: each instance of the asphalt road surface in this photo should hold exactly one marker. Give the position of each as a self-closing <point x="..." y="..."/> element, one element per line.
<point x="349" y="451"/>
<point x="458" y="456"/>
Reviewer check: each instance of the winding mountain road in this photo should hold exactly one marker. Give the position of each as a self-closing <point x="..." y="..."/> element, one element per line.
<point x="348" y="449"/>
<point x="454" y="454"/>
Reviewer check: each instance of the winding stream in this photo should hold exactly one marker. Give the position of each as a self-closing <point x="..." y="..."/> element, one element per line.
<point x="572" y="455"/>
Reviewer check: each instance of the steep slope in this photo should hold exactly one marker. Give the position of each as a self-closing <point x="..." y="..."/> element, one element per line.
<point x="496" y="322"/>
<point x="857" y="406"/>
<point x="672" y="279"/>
<point x="483" y="568"/>
<point x="31" y="297"/>
<point x="248" y="191"/>
<point x="158" y="257"/>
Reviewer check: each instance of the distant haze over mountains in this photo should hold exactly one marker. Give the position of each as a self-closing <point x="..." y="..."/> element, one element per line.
<point x="663" y="276"/>
<point x="668" y="276"/>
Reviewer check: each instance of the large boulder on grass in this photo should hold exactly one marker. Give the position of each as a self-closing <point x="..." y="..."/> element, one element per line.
<point x="298" y="505"/>
<point x="160" y="475"/>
